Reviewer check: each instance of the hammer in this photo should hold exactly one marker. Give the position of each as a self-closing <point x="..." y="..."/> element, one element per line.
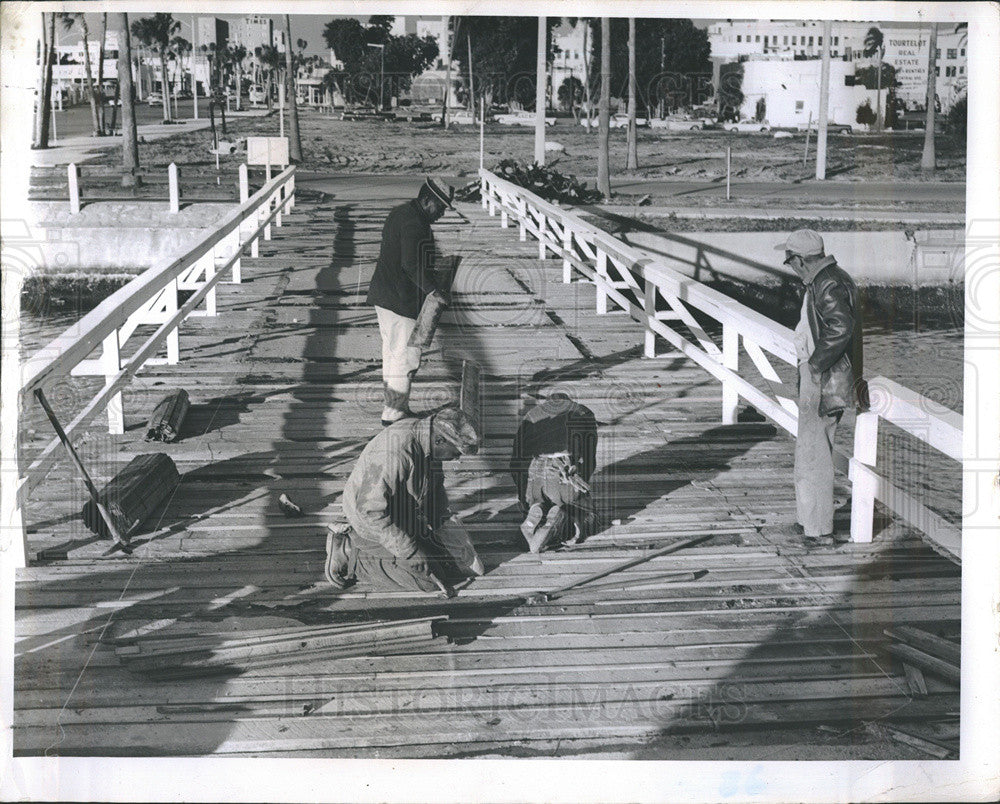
<point x="537" y="598"/>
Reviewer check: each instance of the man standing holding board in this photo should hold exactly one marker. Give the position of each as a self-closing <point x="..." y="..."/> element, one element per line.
<point x="828" y="341"/>
<point x="403" y="278"/>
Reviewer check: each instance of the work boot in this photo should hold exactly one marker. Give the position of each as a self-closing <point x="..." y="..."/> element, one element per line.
<point x="337" y="562"/>
<point x="396" y="407"/>
<point x="551" y="527"/>
<point x="535" y="514"/>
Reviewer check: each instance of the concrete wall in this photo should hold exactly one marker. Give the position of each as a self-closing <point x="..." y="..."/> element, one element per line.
<point x="102" y="249"/>
<point x="912" y="259"/>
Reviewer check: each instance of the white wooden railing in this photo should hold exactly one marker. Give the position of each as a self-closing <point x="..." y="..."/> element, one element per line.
<point x="632" y="280"/>
<point x="150" y="298"/>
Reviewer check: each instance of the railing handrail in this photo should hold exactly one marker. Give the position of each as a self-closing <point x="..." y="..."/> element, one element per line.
<point x="910" y="412"/>
<point x="68" y="349"/>
<point x="779" y="338"/>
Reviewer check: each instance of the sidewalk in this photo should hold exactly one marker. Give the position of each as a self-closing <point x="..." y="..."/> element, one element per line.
<point x="79" y="149"/>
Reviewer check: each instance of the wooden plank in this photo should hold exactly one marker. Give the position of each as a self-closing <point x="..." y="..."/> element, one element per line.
<point x="929" y="643"/>
<point x="926" y="662"/>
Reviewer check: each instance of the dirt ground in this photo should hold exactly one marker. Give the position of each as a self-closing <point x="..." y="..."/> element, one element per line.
<point x="391" y="147"/>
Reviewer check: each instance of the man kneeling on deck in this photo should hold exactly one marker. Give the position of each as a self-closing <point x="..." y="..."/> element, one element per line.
<point x="554" y="454"/>
<point x="400" y="534"/>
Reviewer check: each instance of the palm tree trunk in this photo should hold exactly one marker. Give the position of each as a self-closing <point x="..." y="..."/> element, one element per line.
<point x="928" y="160"/>
<point x="42" y="119"/>
<point x="89" y="73"/>
<point x="130" y="140"/>
<point x="586" y="73"/>
<point x="295" y="145"/>
<point x="100" y="74"/>
<point x="164" y="84"/>
<point x="604" y="113"/>
<point x="239" y="87"/>
<point x="632" y="160"/>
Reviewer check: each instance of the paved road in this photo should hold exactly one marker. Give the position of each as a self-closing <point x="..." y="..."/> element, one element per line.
<point x="76" y="121"/>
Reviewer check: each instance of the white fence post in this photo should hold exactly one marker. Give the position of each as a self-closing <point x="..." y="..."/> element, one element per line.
<point x="73" y="175"/>
<point x="602" y="274"/>
<point x="244" y="184"/>
<point x="174" y="336"/>
<point x="503" y="218"/>
<point x="111" y="363"/>
<point x="484" y="192"/>
<point x="863" y="484"/>
<point x="649" y="308"/>
<point x="210" y="262"/>
<point x="522" y="214"/>
<point x="268" y="205"/>
<point x="279" y="202"/>
<point x="567" y="243"/>
<point x="731" y="360"/>
<point x="235" y="244"/>
<point x="175" y="190"/>
<point x="543" y="228"/>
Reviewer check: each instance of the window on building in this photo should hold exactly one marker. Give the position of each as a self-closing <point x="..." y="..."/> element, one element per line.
<point x="962" y="52"/>
<point x="961" y="71"/>
<point x="739" y="37"/>
<point x="833" y="53"/>
<point x="810" y="41"/>
<point x="836" y="40"/>
<point x="952" y="53"/>
<point x="949" y="72"/>
<point x="937" y="53"/>
<point x="795" y="40"/>
<point x="799" y="105"/>
<point x="821" y="41"/>
<point x="937" y="70"/>
<point x="785" y="42"/>
<point x="758" y="38"/>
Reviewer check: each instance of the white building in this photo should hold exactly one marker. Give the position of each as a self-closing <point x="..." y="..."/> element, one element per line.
<point x="570" y="58"/>
<point x="905" y="49"/>
<point x="790" y="91"/>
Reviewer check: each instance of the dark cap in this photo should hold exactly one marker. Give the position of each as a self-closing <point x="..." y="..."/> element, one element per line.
<point x="443" y="195"/>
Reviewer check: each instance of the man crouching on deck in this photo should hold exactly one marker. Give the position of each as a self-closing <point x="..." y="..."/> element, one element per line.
<point x="401" y="534"/>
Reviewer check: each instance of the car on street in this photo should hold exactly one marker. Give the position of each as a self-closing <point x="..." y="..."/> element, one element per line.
<point x="522" y="118"/>
<point x="257" y="94"/>
<point x="747" y="125"/>
<point x="619" y="120"/>
<point x="831" y="128"/>
<point x="154" y="98"/>
<point x="680" y="123"/>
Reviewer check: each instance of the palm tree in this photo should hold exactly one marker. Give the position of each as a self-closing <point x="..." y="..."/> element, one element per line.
<point x="928" y="160"/>
<point x="69" y="21"/>
<point x="179" y="47"/>
<point x="100" y="71"/>
<point x="130" y="141"/>
<point x="604" y="112"/>
<point x="270" y="64"/>
<point x="44" y="110"/>
<point x="874" y="47"/>
<point x="155" y="33"/>
<point x="295" y="144"/>
<point x="237" y="55"/>
<point x="632" y="159"/>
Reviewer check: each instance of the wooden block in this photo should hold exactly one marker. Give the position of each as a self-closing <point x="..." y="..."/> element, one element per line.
<point x="926" y="662"/>
<point x="943" y="649"/>
<point x="165" y="423"/>
<point x="133" y="493"/>
<point x="469" y="395"/>
<point x="915" y="679"/>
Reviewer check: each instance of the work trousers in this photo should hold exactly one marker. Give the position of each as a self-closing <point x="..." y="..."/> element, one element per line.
<point x="547" y="486"/>
<point x="814" y="458"/>
<point x="449" y="552"/>
<point x="399" y="361"/>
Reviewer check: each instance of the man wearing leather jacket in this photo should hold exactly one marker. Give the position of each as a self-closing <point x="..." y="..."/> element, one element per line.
<point x="828" y="340"/>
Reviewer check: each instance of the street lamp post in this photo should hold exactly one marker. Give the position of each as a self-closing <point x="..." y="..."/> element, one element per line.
<point x="381" y="73"/>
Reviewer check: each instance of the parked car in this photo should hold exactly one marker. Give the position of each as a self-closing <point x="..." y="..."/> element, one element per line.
<point x="747" y="125"/>
<point x="619" y="120"/>
<point x="154" y="99"/>
<point x="679" y="124"/>
<point x="437" y="114"/>
<point x="522" y="118"/>
<point x="257" y="94"/>
<point x="832" y="128"/>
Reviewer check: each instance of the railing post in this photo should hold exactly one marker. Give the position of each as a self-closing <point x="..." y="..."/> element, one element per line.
<point x="280" y="204"/>
<point x="522" y="215"/>
<point x="492" y="206"/>
<point x="175" y="190"/>
<point x="244" y="184"/>
<point x="602" y="274"/>
<point x="209" y="275"/>
<point x="731" y="360"/>
<point x="863" y="484"/>
<point x="543" y="227"/>
<point x="567" y="244"/>
<point x="503" y="218"/>
<point x="174" y="336"/>
<point x="267" y="213"/>
<point x="235" y="243"/>
<point x="111" y="363"/>
<point x="290" y="184"/>
<point x="73" y="175"/>
<point x="649" y="308"/>
<point x="483" y="191"/>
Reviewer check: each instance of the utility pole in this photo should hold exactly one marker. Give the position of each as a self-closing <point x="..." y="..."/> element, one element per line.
<point x="824" y="103"/>
<point x="295" y="145"/>
<point x="540" y="74"/>
<point x="194" y="64"/>
<point x="472" y="94"/>
<point x="632" y="160"/>
<point x="445" y="120"/>
<point x="604" y="113"/>
<point x="928" y="160"/>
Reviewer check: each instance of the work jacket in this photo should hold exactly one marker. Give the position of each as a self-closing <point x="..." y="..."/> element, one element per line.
<point x="557" y="425"/>
<point x="404" y="272"/>
<point x="395" y="495"/>
<point x="835" y="326"/>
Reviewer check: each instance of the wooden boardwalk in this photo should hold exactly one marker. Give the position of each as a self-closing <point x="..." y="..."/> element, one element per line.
<point x="768" y="642"/>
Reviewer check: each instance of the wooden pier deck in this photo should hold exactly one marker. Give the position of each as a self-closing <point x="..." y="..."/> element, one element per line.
<point x="769" y="642"/>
